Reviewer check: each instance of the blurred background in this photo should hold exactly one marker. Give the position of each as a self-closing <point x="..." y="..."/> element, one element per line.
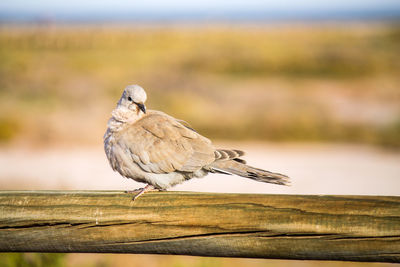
<point x="307" y="88"/>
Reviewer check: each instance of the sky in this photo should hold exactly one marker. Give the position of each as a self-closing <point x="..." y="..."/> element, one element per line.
<point x="11" y="10"/>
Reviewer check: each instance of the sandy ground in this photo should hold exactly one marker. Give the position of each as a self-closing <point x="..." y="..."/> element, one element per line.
<point x="313" y="168"/>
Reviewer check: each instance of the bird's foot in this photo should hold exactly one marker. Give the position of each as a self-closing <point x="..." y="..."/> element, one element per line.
<point x="134" y="191"/>
<point x="138" y="192"/>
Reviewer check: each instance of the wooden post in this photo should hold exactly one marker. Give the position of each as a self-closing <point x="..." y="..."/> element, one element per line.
<point x="352" y="228"/>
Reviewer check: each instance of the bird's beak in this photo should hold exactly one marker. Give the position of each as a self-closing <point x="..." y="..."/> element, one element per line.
<point x="142" y="107"/>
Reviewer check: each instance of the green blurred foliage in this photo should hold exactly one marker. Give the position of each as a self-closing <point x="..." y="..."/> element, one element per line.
<point x="32" y="260"/>
<point x="267" y="82"/>
<point x="139" y="260"/>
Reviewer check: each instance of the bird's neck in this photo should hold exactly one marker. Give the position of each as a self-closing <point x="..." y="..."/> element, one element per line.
<point x="121" y="117"/>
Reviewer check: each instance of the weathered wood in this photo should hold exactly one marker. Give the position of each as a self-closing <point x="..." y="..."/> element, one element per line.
<point x="354" y="228"/>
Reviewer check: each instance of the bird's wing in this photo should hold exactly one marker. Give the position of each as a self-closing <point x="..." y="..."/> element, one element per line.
<point x="158" y="143"/>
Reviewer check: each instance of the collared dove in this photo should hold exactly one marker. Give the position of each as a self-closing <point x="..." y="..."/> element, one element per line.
<point x="152" y="147"/>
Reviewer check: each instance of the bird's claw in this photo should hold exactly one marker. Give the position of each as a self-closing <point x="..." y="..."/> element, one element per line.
<point x="138" y="192"/>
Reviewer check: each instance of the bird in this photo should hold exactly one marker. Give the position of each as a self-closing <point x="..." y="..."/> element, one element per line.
<point x="154" y="148"/>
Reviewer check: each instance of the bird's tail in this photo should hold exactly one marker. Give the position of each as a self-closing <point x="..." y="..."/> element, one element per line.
<point x="238" y="167"/>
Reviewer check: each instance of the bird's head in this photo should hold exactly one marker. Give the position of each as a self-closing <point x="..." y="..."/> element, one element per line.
<point x="133" y="98"/>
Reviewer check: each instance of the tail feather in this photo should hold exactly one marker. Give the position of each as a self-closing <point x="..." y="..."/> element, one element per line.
<point x="241" y="169"/>
<point x="227" y="154"/>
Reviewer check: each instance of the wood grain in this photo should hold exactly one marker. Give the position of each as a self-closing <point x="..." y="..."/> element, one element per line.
<point x="351" y="228"/>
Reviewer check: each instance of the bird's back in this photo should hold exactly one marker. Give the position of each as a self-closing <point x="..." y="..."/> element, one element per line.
<point x="160" y="144"/>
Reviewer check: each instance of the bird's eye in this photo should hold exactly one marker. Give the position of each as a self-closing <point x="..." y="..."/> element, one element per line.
<point x="129" y="98"/>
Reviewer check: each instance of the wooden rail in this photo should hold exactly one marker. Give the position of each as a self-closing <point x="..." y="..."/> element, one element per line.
<point x="352" y="228"/>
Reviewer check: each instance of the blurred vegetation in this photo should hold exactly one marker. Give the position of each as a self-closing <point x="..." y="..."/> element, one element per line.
<point x="137" y="260"/>
<point x="32" y="259"/>
<point x="334" y="82"/>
